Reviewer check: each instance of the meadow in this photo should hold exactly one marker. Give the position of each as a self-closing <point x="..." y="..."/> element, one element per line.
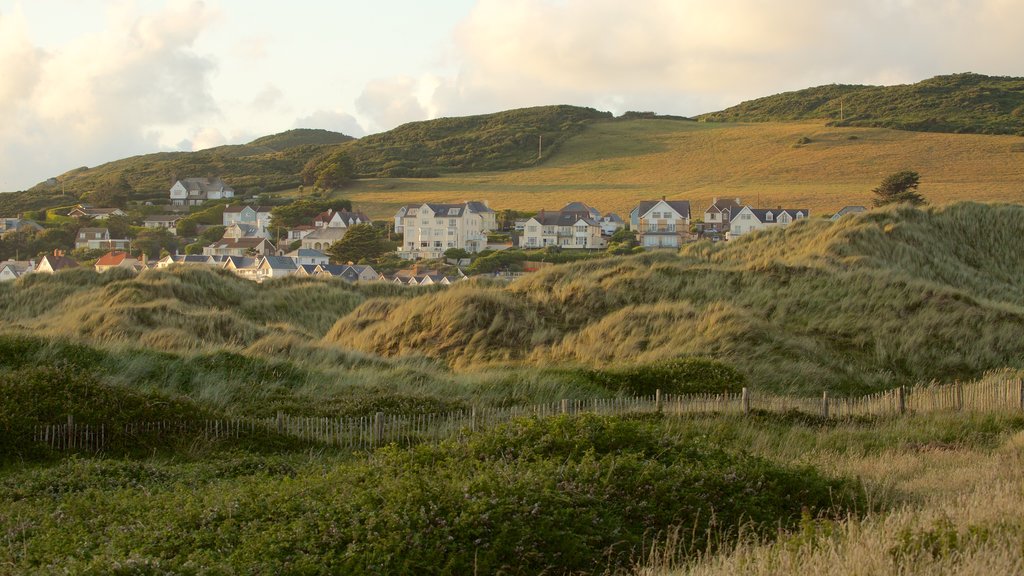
<point x="612" y="165"/>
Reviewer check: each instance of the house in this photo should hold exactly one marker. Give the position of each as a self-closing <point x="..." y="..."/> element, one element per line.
<point x="848" y="210"/>
<point x="409" y="210"/>
<point x="119" y="259"/>
<point x="339" y="219"/>
<point x="430" y="229"/>
<point x="349" y="272"/>
<point x="594" y="213"/>
<point x="269" y="267"/>
<point x="663" y="223"/>
<point x="322" y="238"/>
<point x="17" y="224"/>
<point x="165" y="221"/>
<point x="750" y="219"/>
<point x="194" y="259"/>
<point x="258" y="216"/>
<point x="307" y="270"/>
<point x="308" y="256"/>
<point x="82" y="211"/>
<point x="300" y="232"/>
<point x="55" y="262"/>
<point x="242" y="230"/>
<point x="566" y="229"/>
<point x="240" y="247"/>
<point x="611" y="223"/>
<point x="719" y="214"/>
<point x="99" y="239"/>
<point x="195" y="191"/>
<point x="14" y="269"/>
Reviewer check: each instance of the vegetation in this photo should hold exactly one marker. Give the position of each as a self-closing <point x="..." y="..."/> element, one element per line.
<point x="362" y="242"/>
<point x="899" y="188"/>
<point x="961" y="103"/>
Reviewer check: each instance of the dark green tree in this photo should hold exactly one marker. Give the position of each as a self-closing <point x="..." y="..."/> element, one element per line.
<point x="111" y="192"/>
<point x="360" y="242"/>
<point x="153" y="241"/>
<point x="303" y="211"/>
<point x="899" y="188"/>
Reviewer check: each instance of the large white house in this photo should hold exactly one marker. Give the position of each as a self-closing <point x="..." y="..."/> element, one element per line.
<point x="195" y="191"/>
<point x="750" y="219"/>
<point x="431" y="229"/>
<point x="662" y="223"/>
<point x="257" y="216"/>
<point x="566" y="229"/>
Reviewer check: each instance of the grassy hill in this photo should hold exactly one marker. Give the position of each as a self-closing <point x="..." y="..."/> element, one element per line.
<point x="892" y="296"/>
<point x="612" y="165"/>
<point x="962" y="103"/>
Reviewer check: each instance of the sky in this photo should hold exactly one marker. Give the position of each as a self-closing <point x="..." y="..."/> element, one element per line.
<point x="84" y="82"/>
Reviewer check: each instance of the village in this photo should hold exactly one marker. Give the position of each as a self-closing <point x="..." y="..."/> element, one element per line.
<point x="450" y="234"/>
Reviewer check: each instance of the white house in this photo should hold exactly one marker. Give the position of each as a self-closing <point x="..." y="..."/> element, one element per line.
<point x="55" y="262"/>
<point x="304" y="256"/>
<point x="431" y="229"/>
<point x="339" y="219"/>
<point x="195" y="191"/>
<point x="240" y="247"/>
<point x="274" y="267"/>
<point x="409" y="210"/>
<point x="99" y="239"/>
<point x="14" y="224"/>
<point x="195" y="259"/>
<point x="611" y="223"/>
<point x="750" y="219"/>
<point x="663" y="223"/>
<point x="322" y="238"/>
<point x="166" y="221"/>
<point x="257" y="216"/>
<point x="81" y="211"/>
<point x="566" y="229"/>
<point x="14" y="269"/>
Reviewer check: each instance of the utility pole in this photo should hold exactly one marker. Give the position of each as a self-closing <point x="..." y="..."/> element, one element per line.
<point x="540" y="147"/>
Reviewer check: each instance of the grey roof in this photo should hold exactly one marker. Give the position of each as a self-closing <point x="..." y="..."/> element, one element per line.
<point x="227" y="243"/>
<point x="563" y="218"/>
<point x="279" y="262"/>
<point x="237" y="208"/>
<point x="326" y="234"/>
<point x="240" y="261"/>
<point x="848" y="210"/>
<point x="349" y="218"/>
<point x="308" y="268"/>
<point x="334" y="269"/>
<point x="680" y="206"/>
<point x="762" y="213"/>
<point x="478" y="207"/>
<point x="612" y="217"/>
<point x="581" y="207"/>
<point x="306" y="253"/>
<point x="726" y="204"/>
<point x="457" y="210"/>
<point x="204" y="184"/>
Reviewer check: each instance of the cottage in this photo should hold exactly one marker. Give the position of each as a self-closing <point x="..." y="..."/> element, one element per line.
<point x="193" y="259"/>
<point x="119" y="259"/>
<point x="195" y="191"/>
<point x="269" y="267"/>
<point x="55" y="262"/>
<point x="14" y="269"/>
<point x="82" y="211"/>
<point x="308" y="256"/>
<point x="166" y="221"/>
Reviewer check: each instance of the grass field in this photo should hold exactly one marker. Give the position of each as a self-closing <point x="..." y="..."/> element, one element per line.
<point x="612" y="165"/>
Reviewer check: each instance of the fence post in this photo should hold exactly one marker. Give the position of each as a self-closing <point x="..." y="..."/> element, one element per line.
<point x="657" y="400"/>
<point x="565" y="406"/>
<point x="1020" y="390"/>
<point x="824" y="404"/>
<point x="745" y="400"/>
<point x="280" y="422"/>
<point x="472" y="419"/>
<point x="378" y="429"/>
<point x="901" y="398"/>
<point x="71" y="431"/>
<point x="959" y="396"/>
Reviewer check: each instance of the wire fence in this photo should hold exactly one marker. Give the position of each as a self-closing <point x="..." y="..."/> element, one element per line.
<point x="369" y="432"/>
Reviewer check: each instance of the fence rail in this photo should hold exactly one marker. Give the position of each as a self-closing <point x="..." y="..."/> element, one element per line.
<point x="366" y="433"/>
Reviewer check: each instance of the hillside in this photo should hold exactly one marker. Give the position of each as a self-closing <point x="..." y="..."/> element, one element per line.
<point x="891" y="297"/>
<point x="613" y="165"/>
<point x="961" y="103"/>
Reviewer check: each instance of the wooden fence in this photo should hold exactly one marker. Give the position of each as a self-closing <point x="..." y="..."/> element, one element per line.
<point x="366" y="433"/>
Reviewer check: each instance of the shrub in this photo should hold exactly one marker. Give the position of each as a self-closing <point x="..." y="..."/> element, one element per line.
<point x="675" y="376"/>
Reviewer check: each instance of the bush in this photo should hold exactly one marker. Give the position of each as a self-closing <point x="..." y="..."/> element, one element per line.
<point x="676" y="376"/>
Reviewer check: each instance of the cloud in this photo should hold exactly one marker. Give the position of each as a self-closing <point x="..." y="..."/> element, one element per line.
<point x="692" y="56"/>
<point x="390" y="102"/>
<point x="102" y="96"/>
<point x="335" y="121"/>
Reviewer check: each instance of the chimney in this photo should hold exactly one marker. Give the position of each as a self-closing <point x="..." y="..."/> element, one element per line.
<point x="663" y="197"/>
<point x="738" y="202"/>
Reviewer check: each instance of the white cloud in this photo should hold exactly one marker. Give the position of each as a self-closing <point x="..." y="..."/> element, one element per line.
<point x="388" y="103"/>
<point x="336" y="121"/>
<point x="102" y="96"/>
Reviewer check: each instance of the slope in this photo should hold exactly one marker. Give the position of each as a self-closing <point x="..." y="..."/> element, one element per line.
<point x="891" y="297"/>
<point x="963" y="103"/>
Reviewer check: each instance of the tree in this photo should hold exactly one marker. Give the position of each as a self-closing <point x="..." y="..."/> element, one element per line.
<point x="330" y="172"/>
<point x="360" y="242"/>
<point x="899" y="188"/>
<point x="153" y="241"/>
<point x="112" y="191"/>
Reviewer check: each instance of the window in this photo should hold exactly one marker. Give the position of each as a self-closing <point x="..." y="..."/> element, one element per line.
<point x="799" y="215"/>
<point x="768" y="216"/>
<point x="744" y="216"/>
<point x="581" y="229"/>
<point x="531" y="228"/>
<point x="453" y="222"/>
<point x="453" y="211"/>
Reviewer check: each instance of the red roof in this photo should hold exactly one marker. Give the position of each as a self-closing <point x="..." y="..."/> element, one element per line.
<point x="114" y="258"/>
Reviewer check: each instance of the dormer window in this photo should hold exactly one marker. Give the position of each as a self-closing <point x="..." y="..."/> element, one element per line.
<point x="799" y="215"/>
<point x="768" y="216"/>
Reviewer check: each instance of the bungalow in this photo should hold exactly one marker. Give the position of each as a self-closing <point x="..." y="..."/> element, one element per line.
<point x="194" y="259"/>
<point x="195" y="191"/>
<point x="663" y="223"/>
<point x="119" y="259"/>
<point x="719" y="214"/>
<point x="351" y="272"/>
<point x="81" y="211"/>
<point x="308" y="256"/>
<point x="55" y="262"/>
<point x="99" y="239"/>
<point x="848" y="210"/>
<point x="240" y="247"/>
<point x="258" y="216"/>
<point x="18" y="224"/>
<point x="750" y="219"/>
<point x="14" y="269"/>
<point x="566" y="229"/>
<point x="165" y="221"/>
<point x="274" y="267"/>
<point x="307" y="270"/>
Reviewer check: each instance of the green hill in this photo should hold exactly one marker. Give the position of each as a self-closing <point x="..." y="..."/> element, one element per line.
<point x="962" y="103"/>
<point x="299" y="137"/>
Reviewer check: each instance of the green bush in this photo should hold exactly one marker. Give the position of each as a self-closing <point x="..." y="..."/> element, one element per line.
<point x="675" y="376"/>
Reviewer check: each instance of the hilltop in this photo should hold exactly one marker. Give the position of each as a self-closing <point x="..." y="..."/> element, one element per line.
<point x="961" y="103"/>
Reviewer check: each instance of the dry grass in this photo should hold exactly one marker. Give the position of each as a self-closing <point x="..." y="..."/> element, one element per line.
<point x="613" y="165"/>
<point x="963" y="513"/>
